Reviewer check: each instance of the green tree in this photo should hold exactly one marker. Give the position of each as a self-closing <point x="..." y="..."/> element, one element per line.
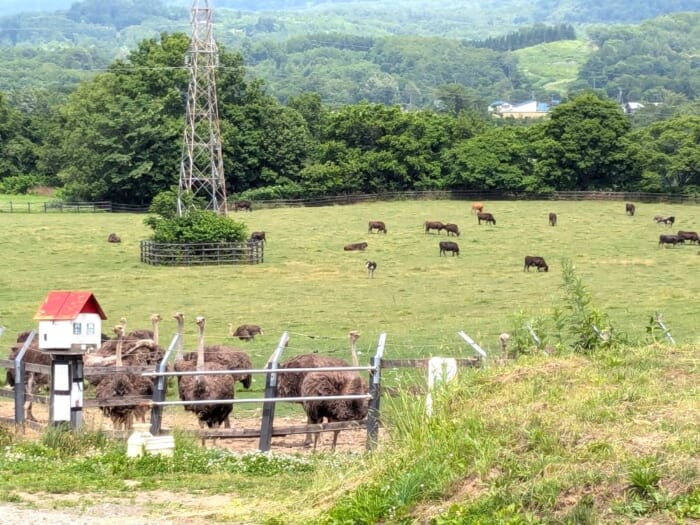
<point x="585" y="146"/>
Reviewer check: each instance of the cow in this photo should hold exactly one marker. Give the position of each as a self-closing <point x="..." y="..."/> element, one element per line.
<point x="537" y="262"/>
<point x="371" y="266"/>
<point x="449" y="246"/>
<point x="433" y="225"/>
<point x="670" y="239"/>
<point x="242" y="205"/>
<point x="376" y="225"/>
<point x="689" y="236"/>
<point x="630" y="209"/>
<point x="477" y="207"/>
<point x="552" y="219"/>
<point x="668" y="221"/>
<point x="355" y="246"/>
<point x="113" y="237"/>
<point x="483" y="216"/>
<point x="451" y="228"/>
<point x="258" y="236"/>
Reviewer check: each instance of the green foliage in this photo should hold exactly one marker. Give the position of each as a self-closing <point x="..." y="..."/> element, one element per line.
<point x="66" y="442"/>
<point x="197" y="226"/>
<point x="19" y="184"/>
<point x="588" y="325"/>
<point x="165" y="203"/>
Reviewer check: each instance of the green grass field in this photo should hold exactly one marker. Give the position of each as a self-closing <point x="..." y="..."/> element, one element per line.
<point x="310" y="287"/>
<point x="555" y="65"/>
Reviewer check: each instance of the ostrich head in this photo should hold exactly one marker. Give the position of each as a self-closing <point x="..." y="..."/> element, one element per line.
<point x="503" y="338"/>
<point x="155" y="319"/>
<point x="119" y="331"/>
<point x="200" y="348"/>
<point x="180" y="318"/>
<point x="354" y="335"/>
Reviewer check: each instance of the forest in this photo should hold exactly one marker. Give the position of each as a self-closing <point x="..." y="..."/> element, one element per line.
<point x="340" y="112"/>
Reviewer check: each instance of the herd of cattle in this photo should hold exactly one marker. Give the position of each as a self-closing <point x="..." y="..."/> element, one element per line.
<point x="531" y="261"/>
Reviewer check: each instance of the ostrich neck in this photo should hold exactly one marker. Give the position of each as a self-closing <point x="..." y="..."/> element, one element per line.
<point x="155" y="332"/>
<point x="180" y="335"/>
<point x="200" y="351"/>
<point x="119" y="351"/>
<point x="353" y="350"/>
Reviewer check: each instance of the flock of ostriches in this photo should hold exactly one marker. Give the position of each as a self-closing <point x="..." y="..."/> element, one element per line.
<point x="108" y="370"/>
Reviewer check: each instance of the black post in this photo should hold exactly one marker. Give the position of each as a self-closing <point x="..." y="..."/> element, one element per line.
<point x="268" y="415"/>
<point x="375" y="391"/>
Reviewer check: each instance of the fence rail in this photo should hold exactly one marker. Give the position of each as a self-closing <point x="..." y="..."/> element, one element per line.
<point x="171" y="254"/>
<point x="113" y="207"/>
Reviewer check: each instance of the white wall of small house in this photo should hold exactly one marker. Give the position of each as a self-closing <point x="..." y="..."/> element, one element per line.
<point x="62" y="334"/>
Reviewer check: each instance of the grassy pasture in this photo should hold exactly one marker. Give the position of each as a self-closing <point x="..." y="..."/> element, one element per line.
<point x="309" y="286"/>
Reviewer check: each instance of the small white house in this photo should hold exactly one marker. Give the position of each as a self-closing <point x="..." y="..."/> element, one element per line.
<point x="70" y="321"/>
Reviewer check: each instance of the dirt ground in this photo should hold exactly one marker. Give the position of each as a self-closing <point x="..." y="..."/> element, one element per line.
<point x="186" y="509"/>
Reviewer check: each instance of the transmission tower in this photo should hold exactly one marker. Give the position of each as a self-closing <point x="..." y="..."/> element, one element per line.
<point x="202" y="167"/>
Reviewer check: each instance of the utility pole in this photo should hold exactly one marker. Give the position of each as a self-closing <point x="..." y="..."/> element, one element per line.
<point x="202" y="167"/>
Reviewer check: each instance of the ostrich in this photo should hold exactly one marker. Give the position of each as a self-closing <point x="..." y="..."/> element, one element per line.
<point x="289" y="384"/>
<point x="120" y="385"/>
<point x="33" y="380"/>
<point x="201" y="387"/>
<point x="245" y="332"/>
<point x="335" y="384"/>
<point x="503" y="338"/>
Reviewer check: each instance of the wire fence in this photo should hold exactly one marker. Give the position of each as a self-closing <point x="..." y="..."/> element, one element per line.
<point x="113" y="207"/>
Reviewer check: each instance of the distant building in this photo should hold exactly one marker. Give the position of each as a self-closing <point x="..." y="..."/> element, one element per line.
<point x="530" y="109"/>
<point x="631" y="107"/>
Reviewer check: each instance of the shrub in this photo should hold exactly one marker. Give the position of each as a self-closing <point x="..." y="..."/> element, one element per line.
<point x="19" y="184"/>
<point x="196" y="227"/>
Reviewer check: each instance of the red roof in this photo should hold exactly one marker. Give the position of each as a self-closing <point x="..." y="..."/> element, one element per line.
<point x="66" y="305"/>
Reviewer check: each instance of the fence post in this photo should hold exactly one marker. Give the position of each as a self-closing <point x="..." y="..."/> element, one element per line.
<point x="20" y="393"/>
<point x="375" y="376"/>
<point x="476" y="347"/>
<point x="268" y="414"/>
<point x="161" y="387"/>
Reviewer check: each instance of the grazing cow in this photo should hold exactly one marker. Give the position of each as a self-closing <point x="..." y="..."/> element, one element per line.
<point x="433" y="225"/>
<point x="113" y="237"/>
<point x="355" y="246"/>
<point x="537" y="262"/>
<point x="451" y="228"/>
<point x="371" y="266"/>
<point x="242" y="205"/>
<point x="483" y="216"/>
<point x="668" y="221"/>
<point x="477" y="207"/>
<point x="552" y="219"/>
<point x="258" y="236"/>
<point x="630" y="209"/>
<point x="376" y="225"/>
<point x="689" y="236"/>
<point x="670" y="239"/>
<point x="449" y="246"/>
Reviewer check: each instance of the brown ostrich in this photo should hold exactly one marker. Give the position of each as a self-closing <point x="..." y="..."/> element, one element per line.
<point x="335" y="384"/>
<point x="229" y="359"/>
<point x="139" y="348"/>
<point x="246" y="332"/>
<point x="120" y="385"/>
<point x="33" y="381"/>
<point x="200" y="387"/>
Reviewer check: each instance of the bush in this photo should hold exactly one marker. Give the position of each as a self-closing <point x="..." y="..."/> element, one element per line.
<point x="197" y="226"/>
<point x="165" y="203"/>
<point x="19" y="184"/>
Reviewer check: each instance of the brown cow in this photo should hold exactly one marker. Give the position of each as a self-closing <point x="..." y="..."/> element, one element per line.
<point x="376" y="225"/>
<point x="552" y="219"/>
<point x="477" y="207"/>
<point x="630" y="209"/>
<point x="258" y="236"/>
<point x="537" y="262"/>
<point x="668" y="221"/>
<point x="483" y="216"/>
<point x="449" y="246"/>
<point x="433" y="225"/>
<point x="355" y="246"/>
<point x="242" y="205"/>
<point x="689" y="236"/>
<point x="670" y="239"/>
<point x="451" y="228"/>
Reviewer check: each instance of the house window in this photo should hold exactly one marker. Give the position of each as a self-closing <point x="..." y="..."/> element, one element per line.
<point x="77" y="328"/>
<point x="90" y="329"/>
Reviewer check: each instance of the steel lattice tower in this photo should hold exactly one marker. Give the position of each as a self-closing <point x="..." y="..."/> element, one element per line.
<point x="201" y="167"/>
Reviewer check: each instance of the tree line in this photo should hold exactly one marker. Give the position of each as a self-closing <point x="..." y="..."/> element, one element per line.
<point x="118" y="137"/>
